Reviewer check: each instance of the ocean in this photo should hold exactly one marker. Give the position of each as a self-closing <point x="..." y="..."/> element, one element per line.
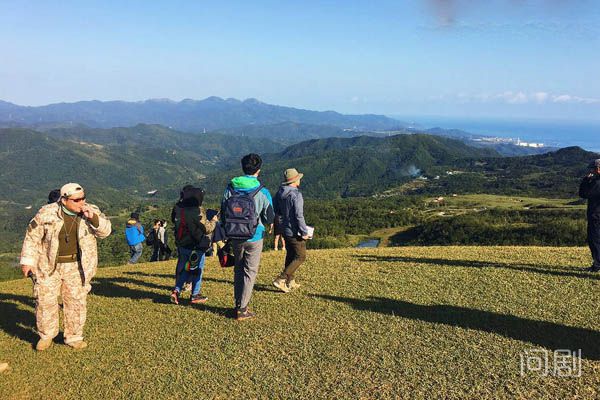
<point x="552" y="133"/>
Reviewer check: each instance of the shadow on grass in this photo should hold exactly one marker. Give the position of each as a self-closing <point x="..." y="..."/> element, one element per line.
<point x="15" y="321"/>
<point x="477" y="264"/>
<point x="226" y="312"/>
<point x="114" y="288"/>
<point x="257" y="286"/>
<point x="545" y="334"/>
<point x="140" y="273"/>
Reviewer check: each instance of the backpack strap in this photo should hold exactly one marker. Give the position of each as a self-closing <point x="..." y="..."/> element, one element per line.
<point x="231" y="190"/>
<point x="182" y="224"/>
<point x="255" y="192"/>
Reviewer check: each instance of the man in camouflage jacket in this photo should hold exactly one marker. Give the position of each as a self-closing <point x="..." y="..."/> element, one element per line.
<point x="60" y="254"/>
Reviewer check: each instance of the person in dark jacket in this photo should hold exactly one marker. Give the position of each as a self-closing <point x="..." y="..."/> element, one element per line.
<point x="590" y="190"/>
<point x="157" y="245"/>
<point x="53" y="196"/>
<point x="182" y="194"/>
<point x="191" y="230"/>
<point x="289" y="204"/>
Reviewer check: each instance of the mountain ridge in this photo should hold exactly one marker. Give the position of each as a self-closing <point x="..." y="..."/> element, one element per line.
<point x="187" y="115"/>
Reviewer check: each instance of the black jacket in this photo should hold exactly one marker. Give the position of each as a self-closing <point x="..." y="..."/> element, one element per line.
<point x="590" y="190"/>
<point x="196" y="224"/>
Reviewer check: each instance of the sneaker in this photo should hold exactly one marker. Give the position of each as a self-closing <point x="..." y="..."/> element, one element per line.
<point x="187" y="287"/>
<point x="243" y="315"/>
<point x="43" y="344"/>
<point x="79" y="345"/>
<point x="293" y="285"/>
<point x="198" y="299"/>
<point x="280" y="284"/>
<point x="175" y="297"/>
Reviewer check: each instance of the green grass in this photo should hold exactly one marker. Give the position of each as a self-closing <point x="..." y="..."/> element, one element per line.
<point x="411" y="322"/>
<point x="507" y="202"/>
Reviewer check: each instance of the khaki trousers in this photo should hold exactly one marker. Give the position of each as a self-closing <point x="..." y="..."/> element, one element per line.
<point x="67" y="280"/>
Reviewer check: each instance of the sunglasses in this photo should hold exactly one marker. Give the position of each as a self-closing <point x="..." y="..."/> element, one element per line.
<point x="77" y="200"/>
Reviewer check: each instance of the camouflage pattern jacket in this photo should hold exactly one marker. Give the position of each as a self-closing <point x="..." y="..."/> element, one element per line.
<point x="40" y="246"/>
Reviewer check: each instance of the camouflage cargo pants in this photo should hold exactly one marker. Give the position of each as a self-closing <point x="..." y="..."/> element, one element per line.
<point x="66" y="280"/>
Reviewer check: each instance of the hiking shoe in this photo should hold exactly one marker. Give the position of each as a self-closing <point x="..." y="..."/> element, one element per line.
<point x="293" y="285"/>
<point x="43" y="344"/>
<point x="187" y="287"/>
<point x="175" y="297"/>
<point x="243" y="315"/>
<point x="198" y="299"/>
<point x="280" y="284"/>
<point x="3" y="367"/>
<point x="79" y="345"/>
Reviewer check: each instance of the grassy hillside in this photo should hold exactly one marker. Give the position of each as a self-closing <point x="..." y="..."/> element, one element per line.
<point x="435" y="322"/>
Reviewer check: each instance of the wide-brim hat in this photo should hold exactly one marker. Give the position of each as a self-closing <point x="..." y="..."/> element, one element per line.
<point x="291" y="175"/>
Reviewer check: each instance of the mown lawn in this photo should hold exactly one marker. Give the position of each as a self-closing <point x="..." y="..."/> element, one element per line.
<point x="410" y="322"/>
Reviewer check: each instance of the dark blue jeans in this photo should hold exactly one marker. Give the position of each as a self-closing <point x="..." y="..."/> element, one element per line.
<point x="594" y="239"/>
<point x="183" y="276"/>
<point x="136" y="252"/>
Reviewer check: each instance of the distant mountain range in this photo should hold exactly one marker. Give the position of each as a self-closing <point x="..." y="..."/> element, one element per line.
<point x="187" y="115"/>
<point x="248" y="118"/>
<point x="122" y="164"/>
<point x="118" y="166"/>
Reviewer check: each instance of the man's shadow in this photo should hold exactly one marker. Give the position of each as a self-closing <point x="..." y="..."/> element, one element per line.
<point x="542" y="333"/>
<point x="115" y="288"/>
<point x="562" y="272"/>
<point x="14" y="320"/>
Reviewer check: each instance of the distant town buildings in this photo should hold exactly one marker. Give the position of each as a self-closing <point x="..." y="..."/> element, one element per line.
<point x="499" y="140"/>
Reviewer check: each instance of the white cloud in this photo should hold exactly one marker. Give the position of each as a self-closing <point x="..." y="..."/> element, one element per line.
<point x="519" y="97"/>
<point x="567" y="98"/>
<point x="563" y="98"/>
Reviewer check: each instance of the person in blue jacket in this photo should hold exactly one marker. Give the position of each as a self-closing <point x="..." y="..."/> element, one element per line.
<point x="134" y="233"/>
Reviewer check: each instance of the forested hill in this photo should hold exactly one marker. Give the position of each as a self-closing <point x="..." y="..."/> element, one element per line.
<point x="117" y="165"/>
<point x="291" y="132"/>
<point x="187" y="115"/>
<point x="420" y="164"/>
<point x="555" y="174"/>
<point x="362" y="165"/>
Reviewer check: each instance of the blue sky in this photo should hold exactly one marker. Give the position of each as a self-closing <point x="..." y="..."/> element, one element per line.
<point x="511" y="58"/>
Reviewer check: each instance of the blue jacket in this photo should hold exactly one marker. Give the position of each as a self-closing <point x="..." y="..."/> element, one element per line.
<point x="289" y="204"/>
<point x="134" y="233"/>
<point x="262" y="201"/>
